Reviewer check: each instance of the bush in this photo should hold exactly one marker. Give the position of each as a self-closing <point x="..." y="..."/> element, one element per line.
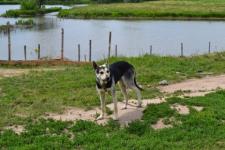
<point x="29" y="5"/>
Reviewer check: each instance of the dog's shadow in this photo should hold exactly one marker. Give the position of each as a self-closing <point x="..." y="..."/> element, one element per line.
<point x="128" y="115"/>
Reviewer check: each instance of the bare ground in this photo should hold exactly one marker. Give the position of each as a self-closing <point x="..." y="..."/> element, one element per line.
<point x="125" y="115"/>
<point x="196" y="87"/>
<point x="18" y="129"/>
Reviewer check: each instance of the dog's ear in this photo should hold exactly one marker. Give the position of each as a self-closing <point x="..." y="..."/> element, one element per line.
<point x="95" y="66"/>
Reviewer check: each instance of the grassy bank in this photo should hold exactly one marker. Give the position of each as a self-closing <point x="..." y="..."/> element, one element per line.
<point x="165" y="9"/>
<point x="38" y="92"/>
<point x="29" y="13"/>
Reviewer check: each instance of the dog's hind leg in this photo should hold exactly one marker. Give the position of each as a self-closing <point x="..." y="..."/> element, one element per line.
<point x="113" y="90"/>
<point x="124" y="92"/>
<point x="138" y="92"/>
<point x="102" y="99"/>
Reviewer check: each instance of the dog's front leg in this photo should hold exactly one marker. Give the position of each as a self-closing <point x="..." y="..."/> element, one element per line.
<point x="102" y="99"/>
<point x="113" y="90"/>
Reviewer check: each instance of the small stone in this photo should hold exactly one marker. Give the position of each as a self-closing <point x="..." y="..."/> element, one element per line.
<point x="163" y="82"/>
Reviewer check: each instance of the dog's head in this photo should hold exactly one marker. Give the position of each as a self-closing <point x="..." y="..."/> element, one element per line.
<point x="102" y="72"/>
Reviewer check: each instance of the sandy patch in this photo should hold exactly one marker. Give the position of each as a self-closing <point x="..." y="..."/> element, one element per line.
<point x="209" y="83"/>
<point x="18" y="129"/>
<point x="198" y="93"/>
<point x="161" y="125"/>
<point x="125" y="115"/>
<point x="198" y="108"/>
<point x="181" y="109"/>
<point x="73" y="113"/>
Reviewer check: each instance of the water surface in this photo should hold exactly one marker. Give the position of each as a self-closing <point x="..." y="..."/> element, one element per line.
<point x="132" y="37"/>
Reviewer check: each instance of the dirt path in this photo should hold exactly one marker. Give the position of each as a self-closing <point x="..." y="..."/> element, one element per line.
<point x="17" y="72"/>
<point x="193" y="87"/>
<point x="125" y="116"/>
<point x="196" y="87"/>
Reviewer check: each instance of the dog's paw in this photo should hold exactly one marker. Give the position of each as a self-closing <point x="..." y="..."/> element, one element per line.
<point x="99" y="117"/>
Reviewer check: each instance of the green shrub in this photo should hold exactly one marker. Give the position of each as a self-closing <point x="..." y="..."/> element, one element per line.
<point x="29" y="5"/>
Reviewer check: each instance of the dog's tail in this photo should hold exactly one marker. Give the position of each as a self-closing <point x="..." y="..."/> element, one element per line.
<point x="135" y="82"/>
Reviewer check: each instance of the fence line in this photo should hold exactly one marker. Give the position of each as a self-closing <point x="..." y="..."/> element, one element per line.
<point x="79" y="49"/>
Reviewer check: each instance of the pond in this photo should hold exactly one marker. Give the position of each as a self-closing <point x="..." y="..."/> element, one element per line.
<point x="132" y="37"/>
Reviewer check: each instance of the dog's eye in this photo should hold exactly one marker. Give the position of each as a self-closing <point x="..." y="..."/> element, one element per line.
<point x="107" y="71"/>
<point x="101" y="72"/>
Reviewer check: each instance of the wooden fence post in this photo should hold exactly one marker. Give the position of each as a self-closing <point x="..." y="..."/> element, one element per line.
<point x="9" y="41"/>
<point x="150" y="49"/>
<point x="116" y="50"/>
<point x="209" y="47"/>
<point x="39" y="51"/>
<point x="110" y="39"/>
<point x="62" y="43"/>
<point x="90" y="51"/>
<point x="79" y="52"/>
<point x="25" y="52"/>
<point x="182" y="49"/>
<point x="85" y="57"/>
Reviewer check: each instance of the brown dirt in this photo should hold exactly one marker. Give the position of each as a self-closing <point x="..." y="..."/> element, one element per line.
<point x="161" y="125"/>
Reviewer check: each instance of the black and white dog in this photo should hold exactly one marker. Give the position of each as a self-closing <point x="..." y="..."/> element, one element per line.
<point x="106" y="78"/>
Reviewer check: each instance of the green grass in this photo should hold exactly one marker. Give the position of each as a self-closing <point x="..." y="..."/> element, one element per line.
<point x="198" y="130"/>
<point x="163" y="9"/>
<point x="29" y="13"/>
<point x="36" y="93"/>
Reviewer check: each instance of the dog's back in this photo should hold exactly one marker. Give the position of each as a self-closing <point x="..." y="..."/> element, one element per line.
<point x="120" y="68"/>
<point x="124" y="72"/>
